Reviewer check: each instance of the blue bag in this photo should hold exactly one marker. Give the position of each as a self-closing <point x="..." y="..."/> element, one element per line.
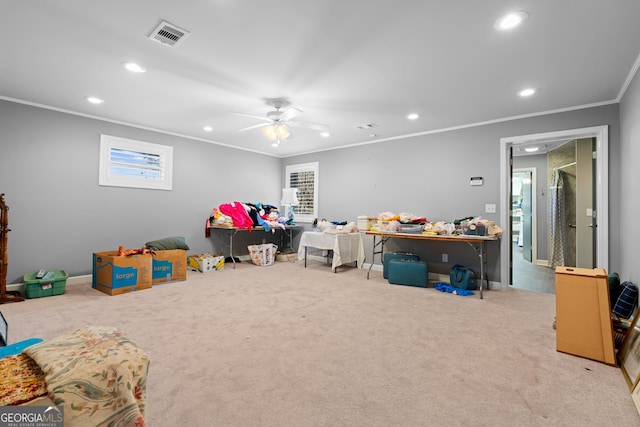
<point x="389" y="256"/>
<point x="463" y="277"/>
<point x="627" y="302"/>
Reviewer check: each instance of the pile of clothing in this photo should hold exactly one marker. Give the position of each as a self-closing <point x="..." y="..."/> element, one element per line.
<point x="246" y="215"/>
<point x="390" y="222"/>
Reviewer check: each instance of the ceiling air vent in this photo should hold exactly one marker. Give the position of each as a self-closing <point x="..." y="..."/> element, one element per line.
<point x="168" y="34"/>
<point x="366" y="126"/>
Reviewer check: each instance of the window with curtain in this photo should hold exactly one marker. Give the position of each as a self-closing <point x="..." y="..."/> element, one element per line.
<point x="304" y="177"/>
<point x="129" y="163"/>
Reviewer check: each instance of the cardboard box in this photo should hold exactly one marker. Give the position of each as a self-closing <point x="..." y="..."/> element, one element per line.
<point x="583" y="314"/>
<point x="115" y="275"/>
<point x="169" y="265"/>
<point x="205" y="262"/>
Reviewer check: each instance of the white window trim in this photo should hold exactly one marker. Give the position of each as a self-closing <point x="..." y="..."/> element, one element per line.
<point x="305" y="167"/>
<point x="108" y="142"/>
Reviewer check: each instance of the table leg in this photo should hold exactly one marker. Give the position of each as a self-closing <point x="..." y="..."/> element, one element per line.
<point x="233" y="259"/>
<point x="373" y="252"/>
<point x="480" y="252"/>
<point x="305" y="257"/>
<point x="373" y="256"/>
<point x="291" y="238"/>
<point x="481" y="268"/>
<point x="484" y="260"/>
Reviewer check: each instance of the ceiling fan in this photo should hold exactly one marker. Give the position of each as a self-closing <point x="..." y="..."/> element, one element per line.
<point x="280" y="120"/>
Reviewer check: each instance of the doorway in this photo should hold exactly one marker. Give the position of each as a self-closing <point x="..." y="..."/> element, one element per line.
<point x="527" y="271"/>
<point x="600" y="250"/>
<point x="523" y="211"/>
<point x="571" y="170"/>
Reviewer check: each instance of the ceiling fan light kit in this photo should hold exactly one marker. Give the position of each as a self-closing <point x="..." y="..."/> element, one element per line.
<point x="280" y="121"/>
<point x="276" y="132"/>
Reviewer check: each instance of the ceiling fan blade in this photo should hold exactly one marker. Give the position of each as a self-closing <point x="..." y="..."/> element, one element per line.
<point x="251" y="115"/>
<point x="289" y="114"/>
<point x="259" y="125"/>
<point x="315" y="126"/>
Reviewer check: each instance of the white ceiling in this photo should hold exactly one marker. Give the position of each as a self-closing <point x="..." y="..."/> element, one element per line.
<point x="344" y="63"/>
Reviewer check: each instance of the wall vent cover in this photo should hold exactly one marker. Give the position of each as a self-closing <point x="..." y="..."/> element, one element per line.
<point x="168" y="34"/>
<point x="367" y="126"/>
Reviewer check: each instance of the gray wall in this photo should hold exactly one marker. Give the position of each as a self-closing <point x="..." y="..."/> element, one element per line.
<point x="629" y="204"/>
<point x="429" y="176"/>
<point x="59" y="215"/>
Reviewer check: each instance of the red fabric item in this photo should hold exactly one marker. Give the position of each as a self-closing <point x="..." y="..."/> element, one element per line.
<point x="238" y="214"/>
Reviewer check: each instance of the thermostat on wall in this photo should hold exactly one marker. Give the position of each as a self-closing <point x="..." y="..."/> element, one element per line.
<point x="476" y="180"/>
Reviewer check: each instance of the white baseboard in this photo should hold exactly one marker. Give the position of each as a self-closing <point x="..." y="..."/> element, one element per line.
<point x="87" y="278"/>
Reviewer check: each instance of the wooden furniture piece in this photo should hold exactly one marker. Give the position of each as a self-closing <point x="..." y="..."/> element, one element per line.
<point x="230" y="232"/>
<point x="476" y="242"/>
<point x="583" y="314"/>
<point x="628" y="356"/>
<point x="5" y="296"/>
<point x="346" y="247"/>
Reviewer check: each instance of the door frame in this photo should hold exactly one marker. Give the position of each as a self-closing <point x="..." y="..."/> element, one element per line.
<point x="601" y="135"/>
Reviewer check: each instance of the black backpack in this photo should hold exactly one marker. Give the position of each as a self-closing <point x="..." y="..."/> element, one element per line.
<point x="614" y="288"/>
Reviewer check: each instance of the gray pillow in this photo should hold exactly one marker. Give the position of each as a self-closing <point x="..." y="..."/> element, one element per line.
<point x="167" y="243"/>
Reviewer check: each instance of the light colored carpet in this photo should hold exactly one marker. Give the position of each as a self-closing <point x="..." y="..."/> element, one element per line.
<point x="289" y="346"/>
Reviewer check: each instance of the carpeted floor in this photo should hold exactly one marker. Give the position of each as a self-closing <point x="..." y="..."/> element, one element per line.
<point x="289" y="346"/>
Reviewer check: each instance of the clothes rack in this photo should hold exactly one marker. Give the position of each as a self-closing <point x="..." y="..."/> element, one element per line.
<point x="565" y="166"/>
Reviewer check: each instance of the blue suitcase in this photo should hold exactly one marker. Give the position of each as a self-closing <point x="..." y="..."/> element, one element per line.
<point x="387" y="257"/>
<point x="408" y="272"/>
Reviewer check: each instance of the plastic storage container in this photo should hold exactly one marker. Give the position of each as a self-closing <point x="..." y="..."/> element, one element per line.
<point x="388" y="226"/>
<point x="410" y="228"/>
<point x="36" y="288"/>
<point x="366" y="222"/>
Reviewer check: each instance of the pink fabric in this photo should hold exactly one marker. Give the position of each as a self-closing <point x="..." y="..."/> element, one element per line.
<point x="238" y="214"/>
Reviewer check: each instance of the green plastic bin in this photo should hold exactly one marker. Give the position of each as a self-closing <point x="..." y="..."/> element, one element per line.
<point x="37" y="288"/>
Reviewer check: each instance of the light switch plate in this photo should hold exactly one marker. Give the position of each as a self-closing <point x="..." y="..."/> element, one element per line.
<point x="490" y="208"/>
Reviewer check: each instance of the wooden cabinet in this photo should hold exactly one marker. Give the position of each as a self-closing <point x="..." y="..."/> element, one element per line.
<point x="583" y="314"/>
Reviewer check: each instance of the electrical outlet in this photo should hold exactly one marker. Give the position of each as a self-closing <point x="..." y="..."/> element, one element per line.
<point x="490" y="208"/>
<point x="445" y="257"/>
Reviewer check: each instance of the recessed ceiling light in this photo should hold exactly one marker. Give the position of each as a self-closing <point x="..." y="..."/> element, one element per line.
<point x="526" y="92"/>
<point x="413" y="116"/>
<point x="208" y="128"/>
<point x="325" y="134"/>
<point x="94" y="99"/>
<point x="532" y="148"/>
<point x="510" y="20"/>
<point x="133" y="67"/>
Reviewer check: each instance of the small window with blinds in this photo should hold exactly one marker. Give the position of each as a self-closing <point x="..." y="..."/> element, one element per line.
<point x="304" y="177"/>
<point x="136" y="164"/>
